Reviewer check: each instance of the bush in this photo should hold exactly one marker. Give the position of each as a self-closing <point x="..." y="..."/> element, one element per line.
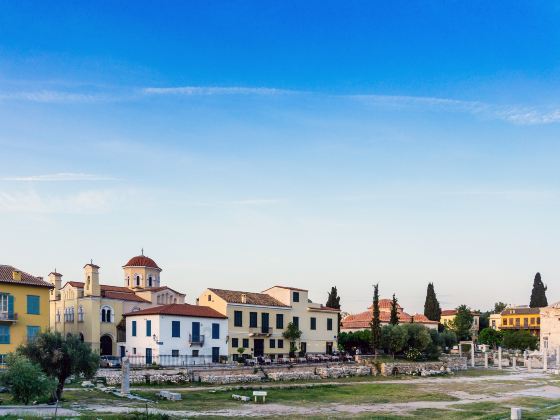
<point x="490" y="337"/>
<point x="519" y="340"/>
<point x="26" y="381"/>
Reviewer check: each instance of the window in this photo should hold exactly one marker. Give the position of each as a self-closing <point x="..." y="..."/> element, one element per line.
<point x="4" y="302"/>
<point x="252" y="320"/>
<point x="215" y="331"/>
<point x="133" y="350"/>
<point x="313" y="324"/>
<point x="265" y="322"/>
<point x="517" y="322"/>
<point x="295" y="321"/>
<point x="272" y="343"/>
<point x="235" y="343"/>
<point x="58" y="315"/>
<point x="150" y="281"/>
<point x="280" y="344"/>
<point x="303" y="347"/>
<point x="4" y="334"/>
<point x="296" y="297"/>
<point x="280" y="321"/>
<point x="134" y="328"/>
<point x="32" y="332"/>
<point x="33" y="305"/>
<point x="107" y="314"/>
<point x="148" y="328"/>
<point x="209" y="298"/>
<point x="2" y="359"/>
<point x="505" y="321"/>
<point x="175" y="328"/>
<point x="532" y="321"/>
<point x="80" y="313"/>
<point x="245" y="343"/>
<point x="538" y="321"/>
<point x="329" y="324"/>
<point x="174" y="353"/>
<point x="195" y="353"/>
<point x="137" y="280"/>
<point x="237" y="318"/>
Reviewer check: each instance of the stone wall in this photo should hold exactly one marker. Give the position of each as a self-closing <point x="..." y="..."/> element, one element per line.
<point x="293" y="376"/>
<point x="417" y="368"/>
<point x="230" y="379"/>
<point x="345" y="371"/>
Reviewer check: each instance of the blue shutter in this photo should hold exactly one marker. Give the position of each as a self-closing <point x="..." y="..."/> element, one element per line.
<point x="175" y="328"/>
<point x="4" y="334"/>
<point x="10" y="307"/>
<point x="215" y="331"/>
<point x="196" y="332"/>
<point x="148" y="328"/>
<point x="33" y="305"/>
<point x="134" y="328"/>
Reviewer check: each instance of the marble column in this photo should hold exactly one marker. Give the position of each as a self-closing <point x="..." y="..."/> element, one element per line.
<point x="125" y="376"/>
<point x="472" y="354"/>
<point x="545" y="360"/>
<point x="485" y="360"/>
<point x="499" y="357"/>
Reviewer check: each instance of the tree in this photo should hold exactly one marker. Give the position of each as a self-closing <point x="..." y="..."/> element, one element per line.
<point x="499" y="307"/>
<point x="462" y="323"/>
<point x="333" y="301"/>
<point x="538" y="294"/>
<point x="393" y="339"/>
<point x="432" y="310"/>
<point x="519" y="340"/>
<point x="375" y="321"/>
<point x="25" y="380"/>
<point x="490" y="337"/>
<point x="59" y="357"/>
<point x="292" y="334"/>
<point x="394" y="320"/>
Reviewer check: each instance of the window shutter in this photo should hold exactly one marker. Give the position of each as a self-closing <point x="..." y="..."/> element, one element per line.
<point x="10" y="306"/>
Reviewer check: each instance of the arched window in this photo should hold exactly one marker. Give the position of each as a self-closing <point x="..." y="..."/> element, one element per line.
<point x="107" y="314"/>
<point x="88" y="282"/>
<point x="128" y="281"/>
<point x="80" y="314"/>
<point x="150" y="281"/>
<point x="137" y="280"/>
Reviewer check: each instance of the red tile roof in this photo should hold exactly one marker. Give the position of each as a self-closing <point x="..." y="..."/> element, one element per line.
<point x="158" y="289"/>
<point x="178" y="309"/>
<point x="421" y="318"/>
<point x="141" y="261"/>
<point x="6" y="276"/>
<point x="112" y="292"/>
<point x="449" y="312"/>
<point x="385" y="304"/>
<point x="234" y="296"/>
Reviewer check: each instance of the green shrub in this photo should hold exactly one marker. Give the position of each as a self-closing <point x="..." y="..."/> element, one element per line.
<point x="26" y="381"/>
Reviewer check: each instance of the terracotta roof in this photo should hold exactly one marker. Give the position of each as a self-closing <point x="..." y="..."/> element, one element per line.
<point x="179" y="310"/>
<point x="450" y="312"/>
<point x="233" y="296"/>
<point x="112" y="292"/>
<point x="141" y="261"/>
<point x="157" y="289"/>
<point x="421" y="318"/>
<point x="286" y="287"/>
<point x="385" y="304"/>
<point x="363" y="319"/>
<point x="520" y="311"/>
<point x="6" y="276"/>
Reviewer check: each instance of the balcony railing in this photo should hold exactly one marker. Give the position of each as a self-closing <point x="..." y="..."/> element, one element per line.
<point x="8" y="317"/>
<point x="521" y="327"/>
<point x="260" y="331"/>
<point x="196" y="340"/>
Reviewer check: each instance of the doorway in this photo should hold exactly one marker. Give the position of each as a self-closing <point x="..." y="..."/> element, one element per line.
<point x="106" y="345"/>
<point x="258" y="347"/>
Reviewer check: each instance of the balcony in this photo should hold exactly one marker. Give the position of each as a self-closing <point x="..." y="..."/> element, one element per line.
<point x="521" y="327"/>
<point x="196" y="340"/>
<point x="8" y="317"/>
<point x="260" y="331"/>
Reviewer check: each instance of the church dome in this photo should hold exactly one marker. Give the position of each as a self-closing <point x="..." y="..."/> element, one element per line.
<point x="141" y="261"/>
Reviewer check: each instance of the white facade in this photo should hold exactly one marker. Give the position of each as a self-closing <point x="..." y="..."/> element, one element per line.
<point x="550" y="327"/>
<point x="173" y="339"/>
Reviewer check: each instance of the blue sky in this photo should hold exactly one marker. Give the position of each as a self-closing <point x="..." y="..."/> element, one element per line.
<point x="246" y="144"/>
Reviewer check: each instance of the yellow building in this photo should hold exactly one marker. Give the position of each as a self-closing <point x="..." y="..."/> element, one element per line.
<point x="93" y="311"/>
<point x="24" y="308"/>
<point x="256" y="321"/>
<point x="495" y="321"/>
<point x="521" y="318"/>
<point x="448" y="315"/>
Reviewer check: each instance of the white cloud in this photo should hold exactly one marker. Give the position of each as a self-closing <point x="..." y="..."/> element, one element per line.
<point x="84" y="202"/>
<point x="56" y="97"/>
<point x="63" y="176"/>
<point x="215" y="90"/>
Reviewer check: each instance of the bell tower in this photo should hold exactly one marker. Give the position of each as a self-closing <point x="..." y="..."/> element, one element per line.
<point x="91" y="280"/>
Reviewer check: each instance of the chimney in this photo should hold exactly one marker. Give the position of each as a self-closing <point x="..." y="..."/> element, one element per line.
<point x="16" y="275"/>
<point x="56" y="280"/>
<point x="243" y="298"/>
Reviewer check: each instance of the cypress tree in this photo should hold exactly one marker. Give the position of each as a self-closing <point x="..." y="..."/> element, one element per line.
<point x="432" y="310"/>
<point x="375" y="321"/>
<point x="394" y="312"/>
<point x="333" y="301"/>
<point x="538" y="294"/>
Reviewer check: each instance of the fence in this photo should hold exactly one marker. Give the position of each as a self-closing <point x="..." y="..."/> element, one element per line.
<point x="168" y="360"/>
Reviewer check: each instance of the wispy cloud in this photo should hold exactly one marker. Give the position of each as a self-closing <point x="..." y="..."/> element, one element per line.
<point x="84" y="202"/>
<point x="216" y="90"/>
<point x="241" y="202"/>
<point x="512" y="113"/>
<point x="59" y="177"/>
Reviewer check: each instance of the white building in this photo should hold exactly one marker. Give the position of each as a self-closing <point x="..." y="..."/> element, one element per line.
<point x="176" y="334"/>
<point x="550" y="327"/>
